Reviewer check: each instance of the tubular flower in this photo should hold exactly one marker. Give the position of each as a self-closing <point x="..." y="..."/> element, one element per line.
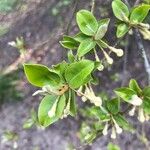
<point x="100" y="67"/>
<point x="141" y="116"/>
<point x="90" y="95"/>
<point x="117" y="127"/>
<point x="113" y="134"/>
<point x="105" y="130"/>
<point x="132" y="111"/>
<point x="146" y="33"/>
<point x="108" y="58"/>
<point x="66" y="110"/>
<point x="118" y="52"/>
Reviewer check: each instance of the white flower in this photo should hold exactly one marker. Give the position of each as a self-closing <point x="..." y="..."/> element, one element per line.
<point x="108" y="58"/>
<point x="113" y="134"/>
<point x="105" y="130"/>
<point x="84" y="99"/>
<point x="79" y="91"/>
<point x="12" y="43"/>
<point x="145" y="25"/>
<point x="118" y="128"/>
<point x="147" y="117"/>
<point x="132" y="111"/>
<point x="141" y="116"/>
<point x="119" y="52"/>
<point x="135" y="100"/>
<point x="97" y="101"/>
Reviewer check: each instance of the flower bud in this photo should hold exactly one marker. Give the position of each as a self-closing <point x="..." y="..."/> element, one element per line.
<point x="105" y="130"/>
<point x="97" y="101"/>
<point x="118" y="129"/>
<point x="145" y="25"/>
<point x="132" y="111"/>
<point x="108" y="58"/>
<point x="113" y="134"/>
<point x="84" y="99"/>
<point x="141" y="116"/>
<point x="119" y="52"/>
<point x="135" y="100"/>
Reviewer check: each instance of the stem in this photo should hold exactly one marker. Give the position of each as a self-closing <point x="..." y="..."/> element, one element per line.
<point x="72" y="15"/>
<point x="93" y="6"/>
<point x="142" y="49"/>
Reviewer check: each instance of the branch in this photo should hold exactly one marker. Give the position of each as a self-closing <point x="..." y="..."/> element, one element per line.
<point x="141" y="48"/>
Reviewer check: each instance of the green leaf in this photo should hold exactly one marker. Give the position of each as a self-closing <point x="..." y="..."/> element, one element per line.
<point x="112" y="146"/>
<point x="146" y="105"/>
<point x="85" y="47"/>
<point x="139" y="13"/>
<point x="77" y="73"/>
<point x="81" y="37"/>
<point x="103" y="26"/>
<point x="60" y="106"/>
<point x="120" y="10"/>
<point x="44" y="107"/>
<point x="146" y="91"/>
<point x="73" y="108"/>
<point x="121" y="121"/>
<point x="71" y="57"/>
<point x="60" y="68"/>
<point x="40" y="75"/>
<point x="122" y="29"/>
<point x="69" y="43"/>
<point x="134" y="86"/>
<point x="125" y="93"/>
<point x="87" y="22"/>
<point x="113" y="105"/>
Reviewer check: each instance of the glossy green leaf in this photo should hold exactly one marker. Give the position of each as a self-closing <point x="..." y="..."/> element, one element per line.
<point x="85" y="47"/>
<point x="80" y="37"/>
<point x="69" y="43"/>
<point x="102" y="29"/>
<point x="73" y="107"/>
<point x="139" y="13"/>
<point x="113" y="105"/>
<point x="122" y="29"/>
<point x="44" y="107"/>
<point x="134" y="86"/>
<point x="146" y="105"/>
<point x="71" y="57"/>
<point x="112" y="146"/>
<point x="125" y="93"/>
<point x="122" y="122"/>
<point x="40" y="75"/>
<point x="120" y="10"/>
<point x="87" y="22"/>
<point x="77" y="73"/>
<point x="146" y="91"/>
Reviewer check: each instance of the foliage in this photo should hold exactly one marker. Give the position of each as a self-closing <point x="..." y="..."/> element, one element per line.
<point x="61" y="83"/>
<point x="7" y="5"/>
<point x="8" y="87"/>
